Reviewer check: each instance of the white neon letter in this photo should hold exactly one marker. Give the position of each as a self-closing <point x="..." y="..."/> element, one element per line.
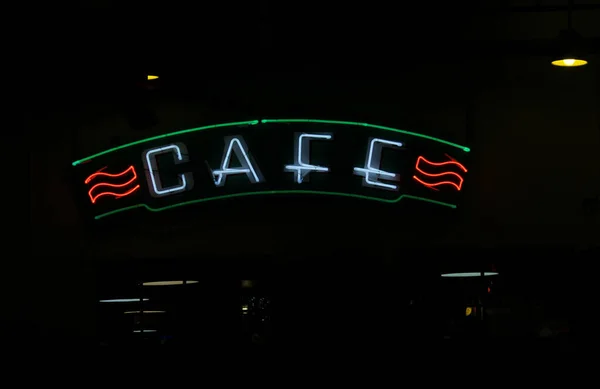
<point x="371" y="172"/>
<point x="238" y="146"/>
<point x="179" y="151"/>
<point x="302" y="156"/>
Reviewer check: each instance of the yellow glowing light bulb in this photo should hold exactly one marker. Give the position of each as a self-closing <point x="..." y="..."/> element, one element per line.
<point x="569" y="62"/>
<point x="152" y="77"/>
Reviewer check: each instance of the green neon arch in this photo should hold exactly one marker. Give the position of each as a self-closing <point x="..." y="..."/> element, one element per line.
<point x="255" y="122"/>
<point x="274" y="192"/>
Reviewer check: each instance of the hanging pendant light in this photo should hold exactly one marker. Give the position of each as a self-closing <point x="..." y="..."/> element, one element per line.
<point x="572" y="50"/>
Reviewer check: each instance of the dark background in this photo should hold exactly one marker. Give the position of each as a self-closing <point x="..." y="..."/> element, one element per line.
<point x="479" y="76"/>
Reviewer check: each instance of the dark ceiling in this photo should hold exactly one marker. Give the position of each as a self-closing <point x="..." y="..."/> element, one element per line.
<point x="102" y="44"/>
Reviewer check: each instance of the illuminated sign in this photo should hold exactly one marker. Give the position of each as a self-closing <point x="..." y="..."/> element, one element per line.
<point x="273" y="157"/>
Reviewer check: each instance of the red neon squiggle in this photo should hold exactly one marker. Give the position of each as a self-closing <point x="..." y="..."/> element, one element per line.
<point x="93" y="198"/>
<point x="113" y="185"/>
<point x="101" y="173"/>
<point x="432" y="185"/>
<point x="116" y="195"/>
<point x="106" y="184"/>
<point x="453" y="162"/>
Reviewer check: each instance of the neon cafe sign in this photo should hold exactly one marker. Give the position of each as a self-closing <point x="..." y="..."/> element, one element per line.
<point x="285" y="157"/>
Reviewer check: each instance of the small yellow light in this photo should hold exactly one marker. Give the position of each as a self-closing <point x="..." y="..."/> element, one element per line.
<point x="569" y="62"/>
<point x="468" y="311"/>
<point x="152" y="77"/>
